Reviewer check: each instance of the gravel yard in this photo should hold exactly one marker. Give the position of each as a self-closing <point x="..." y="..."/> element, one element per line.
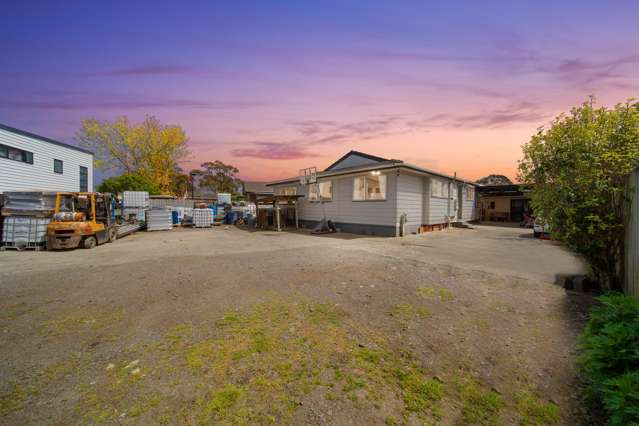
<point x="226" y="325"/>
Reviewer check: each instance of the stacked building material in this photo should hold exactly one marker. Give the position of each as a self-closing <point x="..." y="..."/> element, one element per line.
<point x="29" y="203"/>
<point x="159" y="220"/>
<point x="202" y="218"/>
<point x="135" y="204"/>
<point x="25" y="216"/>
<point x="24" y="232"/>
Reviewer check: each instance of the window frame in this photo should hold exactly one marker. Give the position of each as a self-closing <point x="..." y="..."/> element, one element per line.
<point x="469" y="193"/>
<point x="318" y="192"/>
<point x="61" y="163"/>
<point x="27" y="156"/>
<point x="366" y="177"/>
<point x="84" y="188"/>
<point x="445" y="187"/>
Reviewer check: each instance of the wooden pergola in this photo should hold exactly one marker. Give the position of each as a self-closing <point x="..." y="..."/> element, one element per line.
<point x="276" y="201"/>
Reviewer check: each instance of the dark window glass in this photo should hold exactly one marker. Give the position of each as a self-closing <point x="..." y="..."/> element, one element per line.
<point x="57" y="166"/>
<point x="16" y="154"/>
<point x="84" y="179"/>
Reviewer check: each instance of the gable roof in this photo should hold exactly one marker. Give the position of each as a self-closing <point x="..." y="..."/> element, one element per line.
<point x="378" y="163"/>
<point x="42" y="138"/>
<point x="372" y="158"/>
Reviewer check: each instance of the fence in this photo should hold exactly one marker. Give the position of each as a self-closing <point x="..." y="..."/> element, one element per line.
<point x="631" y="282"/>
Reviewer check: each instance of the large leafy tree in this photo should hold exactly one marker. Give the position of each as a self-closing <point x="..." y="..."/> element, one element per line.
<point x="150" y="149"/>
<point x="128" y="182"/>
<point x="219" y="176"/>
<point x="577" y="170"/>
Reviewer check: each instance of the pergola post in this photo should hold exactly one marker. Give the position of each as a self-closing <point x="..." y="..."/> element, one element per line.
<point x="277" y="215"/>
<point x="297" y="225"/>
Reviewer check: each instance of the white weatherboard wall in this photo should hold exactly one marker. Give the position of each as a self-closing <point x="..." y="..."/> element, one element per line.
<point x="19" y="176"/>
<point x="410" y="199"/>
<point x="343" y="209"/>
<point x="468" y="206"/>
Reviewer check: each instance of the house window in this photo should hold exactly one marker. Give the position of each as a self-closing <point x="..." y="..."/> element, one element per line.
<point x="16" y="154"/>
<point x="369" y="187"/>
<point x="470" y="193"/>
<point x="438" y="188"/>
<point x="57" y="166"/>
<point x="289" y="190"/>
<point x="322" y="191"/>
<point x="84" y="179"/>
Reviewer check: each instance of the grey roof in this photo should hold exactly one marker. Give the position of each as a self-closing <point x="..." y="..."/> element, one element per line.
<point x="385" y="164"/>
<point x="42" y="138"/>
<point x="257" y="187"/>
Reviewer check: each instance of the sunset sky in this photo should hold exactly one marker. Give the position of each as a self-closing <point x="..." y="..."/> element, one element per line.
<point x="272" y="87"/>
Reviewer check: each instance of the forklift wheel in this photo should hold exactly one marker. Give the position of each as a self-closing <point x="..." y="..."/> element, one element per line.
<point x="113" y="235"/>
<point x="89" y="242"/>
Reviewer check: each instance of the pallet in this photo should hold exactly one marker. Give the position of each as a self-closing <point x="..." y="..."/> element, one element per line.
<point x="40" y="247"/>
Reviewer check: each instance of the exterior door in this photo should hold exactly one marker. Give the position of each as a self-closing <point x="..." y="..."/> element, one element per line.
<point x="517" y="209"/>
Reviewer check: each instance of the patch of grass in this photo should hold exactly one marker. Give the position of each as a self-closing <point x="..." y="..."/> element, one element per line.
<point x="353" y="383"/>
<point x="256" y="366"/>
<point x="222" y="400"/>
<point x="13" y="398"/>
<point x="501" y="306"/>
<point x="198" y="353"/>
<point x="479" y="406"/>
<point x="143" y="406"/>
<point x="535" y="412"/>
<point x="11" y="312"/>
<point x="391" y="421"/>
<point x="442" y="294"/>
<point x="374" y="356"/>
<point x="418" y="392"/>
<point x="79" y="321"/>
<point x="405" y="311"/>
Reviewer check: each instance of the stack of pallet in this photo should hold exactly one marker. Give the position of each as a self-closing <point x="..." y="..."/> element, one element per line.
<point x="202" y="218"/>
<point x="159" y="220"/>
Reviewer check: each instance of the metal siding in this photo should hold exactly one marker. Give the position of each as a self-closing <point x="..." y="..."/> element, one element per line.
<point x="343" y="209"/>
<point x="18" y="176"/>
<point x="632" y="239"/>
<point x="410" y="200"/>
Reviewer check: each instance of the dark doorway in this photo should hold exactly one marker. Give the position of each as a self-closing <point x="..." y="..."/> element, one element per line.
<point x="518" y="208"/>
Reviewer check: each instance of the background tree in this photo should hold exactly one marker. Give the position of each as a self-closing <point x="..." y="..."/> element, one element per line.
<point x="578" y="171"/>
<point x="219" y="177"/>
<point x="128" y="182"/>
<point x="150" y="149"/>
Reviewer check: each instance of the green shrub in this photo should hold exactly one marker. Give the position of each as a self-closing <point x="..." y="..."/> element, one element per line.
<point x="610" y="359"/>
<point x="128" y="182"/>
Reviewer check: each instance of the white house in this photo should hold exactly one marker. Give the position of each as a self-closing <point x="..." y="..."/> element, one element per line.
<point x="366" y="194"/>
<point x="32" y="162"/>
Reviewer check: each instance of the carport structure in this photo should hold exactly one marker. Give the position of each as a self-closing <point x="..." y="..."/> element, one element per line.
<point x="276" y="211"/>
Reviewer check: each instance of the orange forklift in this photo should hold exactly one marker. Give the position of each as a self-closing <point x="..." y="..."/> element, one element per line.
<point x="83" y="219"/>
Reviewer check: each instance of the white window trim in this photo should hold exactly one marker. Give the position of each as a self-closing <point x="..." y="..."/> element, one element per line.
<point x="369" y="200"/>
<point x="319" y="197"/>
<point x="446" y="186"/>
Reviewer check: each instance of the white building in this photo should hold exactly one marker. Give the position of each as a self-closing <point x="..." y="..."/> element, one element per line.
<point x="366" y="194"/>
<point x="32" y="162"/>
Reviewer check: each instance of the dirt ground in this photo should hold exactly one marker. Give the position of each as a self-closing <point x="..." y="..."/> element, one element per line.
<point x="229" y="326"/>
